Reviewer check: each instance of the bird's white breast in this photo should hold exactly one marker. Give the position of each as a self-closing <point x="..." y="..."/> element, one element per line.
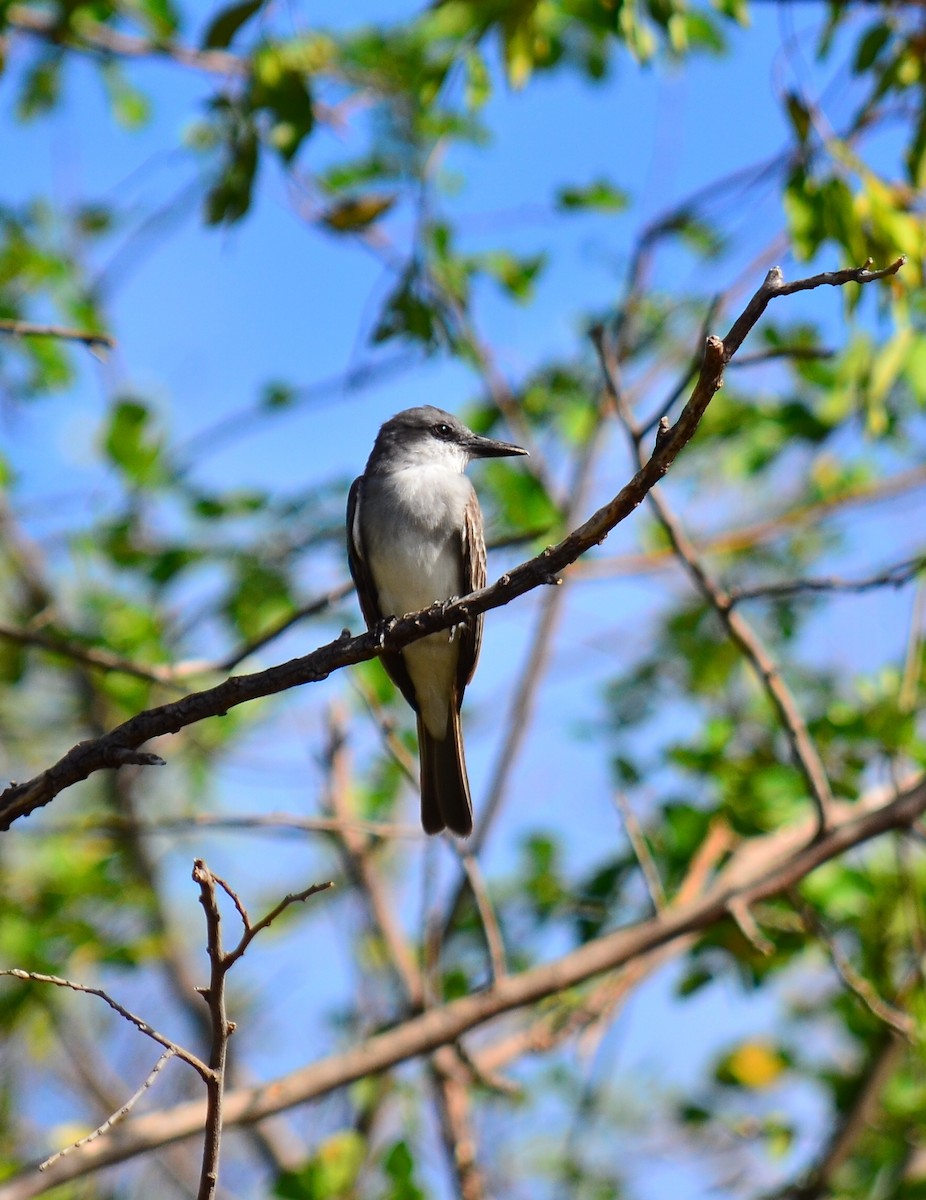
<point x="411" y="522"/>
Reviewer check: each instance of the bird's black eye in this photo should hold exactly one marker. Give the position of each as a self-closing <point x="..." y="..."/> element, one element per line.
<point x="443" y="431"/>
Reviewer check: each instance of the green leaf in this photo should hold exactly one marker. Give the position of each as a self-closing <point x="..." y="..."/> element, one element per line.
<point x="229" y="199"/>
<point x="260" y="598"/>
<point x="41" y="89"/>
<point x="516" y="275"/>
<point x="282" y="90"/>
<point x="132" y="445"/>
<point x="399" y="1168"/>
<point x="131" y="108"/>
<point x="601" y="195"/>
<point x="522" y="501"/>
<point x="330" y="1174"/>
<point x="357" y="213"/>
<point x="799" y="115"/>
<point x="278" y="395"/>
<point x="870" y="46"/>
<point x="411" y="313"/>
<point x="226" y="23"/>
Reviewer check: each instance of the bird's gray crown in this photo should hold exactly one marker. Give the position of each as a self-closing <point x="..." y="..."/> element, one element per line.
<point x="429" y="434"/>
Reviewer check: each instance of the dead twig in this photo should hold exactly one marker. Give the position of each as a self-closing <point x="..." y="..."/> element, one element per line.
<point x="638" y="842"/>
<point x="149" y="1031"/>
<point x="89" y="337"/>
<point x="117" y="1116"/>
<point x="214" y="994"/>
<point x="896" y="576"/>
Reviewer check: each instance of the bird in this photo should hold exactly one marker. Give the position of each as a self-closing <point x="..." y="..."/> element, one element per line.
<point x="415" y="536"/>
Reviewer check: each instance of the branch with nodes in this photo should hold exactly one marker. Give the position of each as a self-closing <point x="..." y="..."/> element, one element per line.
<point x="148" y="1030"/>
<point x="758" y="869"/>
<point x="212" y="1072"/>
<point x="117" y="1116"/>
<point x="121" y="744"/>
<point x="221" y="961"/>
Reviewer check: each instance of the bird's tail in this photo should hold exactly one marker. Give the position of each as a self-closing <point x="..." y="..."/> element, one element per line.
<point x="445" y="798"/>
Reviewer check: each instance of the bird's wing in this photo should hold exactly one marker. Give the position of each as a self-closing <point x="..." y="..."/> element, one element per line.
<point x="367" y="594"/>
<point x="473" y="547"/>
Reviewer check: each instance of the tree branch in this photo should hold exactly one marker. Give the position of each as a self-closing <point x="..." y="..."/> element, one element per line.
<point x="117" y="1116"/>
<point x="740" y="632"/>
<point x="89" y="337"/>
<point x="37" y="977"/>
<point x="95" y="35"/>
<point x="896" y="576"/>
<point x="762" y="867"/>
<point x="83" y="760"/>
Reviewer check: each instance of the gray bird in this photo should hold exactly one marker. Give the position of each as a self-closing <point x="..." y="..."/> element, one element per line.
<point x="414" y="536"/>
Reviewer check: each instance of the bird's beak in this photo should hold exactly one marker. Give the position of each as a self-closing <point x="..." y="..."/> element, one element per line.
<point x="483" y="447"/>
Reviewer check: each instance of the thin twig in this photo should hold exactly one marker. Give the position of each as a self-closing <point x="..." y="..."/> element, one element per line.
<point x="98" y="36"/>
<point x="896" y="576"/>
<point x="733" y="541"/>
<point x="57" y="981"/>
<point x="896" y="1020"/>
<point x="490" y="926"/>
<point x="641" y="849"/>
<point x="792" y="353"/>
<point x="737" y="628"/>
<point x="116" y="1116"/>
<point x="99" y="659"/>
<point x="284" y="823"/>
<point x="251" y="931"/>
<point x="62" y="332"/>
<point x="315" y="606"/>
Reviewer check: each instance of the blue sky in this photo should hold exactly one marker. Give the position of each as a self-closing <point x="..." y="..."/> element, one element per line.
<point x="204" y="320"/>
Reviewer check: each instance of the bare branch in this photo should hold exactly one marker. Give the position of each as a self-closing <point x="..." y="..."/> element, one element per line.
<point x="762" y="867"/>
<point x="222" y="1029"/>
<point x="775" y="286"/>
<point x="37" y="977"/>
<point x="62" y="332"/>
<point x="637" y="840"/>
<point x="116" y="1116"/>
<point x="896" y="576"/>
<point x="493" y="934"/>
<point x="95" y="35"/>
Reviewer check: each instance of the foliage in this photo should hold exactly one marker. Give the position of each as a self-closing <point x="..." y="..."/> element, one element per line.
<point x="158" y="575"/>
